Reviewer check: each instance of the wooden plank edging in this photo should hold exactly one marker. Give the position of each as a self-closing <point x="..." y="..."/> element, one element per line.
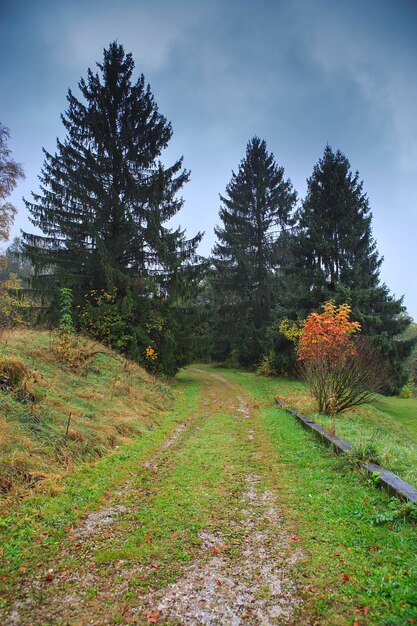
<point x="384" y="478"/>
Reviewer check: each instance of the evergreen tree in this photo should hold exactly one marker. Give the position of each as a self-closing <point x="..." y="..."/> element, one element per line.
<point x="256" y="210"/>
<point x="105" y="197"/>
<point x="336" y="258"/>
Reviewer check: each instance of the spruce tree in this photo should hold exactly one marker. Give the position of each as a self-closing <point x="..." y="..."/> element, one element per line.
<point x="105" y="196"/>
<point x="256" y="210"/>
<point x="335" y="256"/>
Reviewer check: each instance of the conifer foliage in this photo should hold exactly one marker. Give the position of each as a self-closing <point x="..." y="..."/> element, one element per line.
<point x="105" y="197"/>
<point x="335" y="244"/>
<point x="256" y="210"/>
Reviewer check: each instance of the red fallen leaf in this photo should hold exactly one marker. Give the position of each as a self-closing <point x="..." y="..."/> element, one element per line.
<point x="346" y="577"/>
<point x="70" y="536"/>
<point x="336" y="554"/>
<point x="155" y="565"/>
<point x="125" y="609"/>
<point x="22" y="569"/>
<point x="49" y="578"/>
<point x="365" y="610"/>
<point x="174" y="533"/>
<point x="153" y="617"/>
<point x="218" y="583"/>
<point x="411" y="621"/>
<point x="294" y="538"/>
<point x="107" y="535"/>
<point x="324" y="567"/>
<point x="270" y="520"/>
<point x="216" y="549"/>
<point x="356" y="623"/>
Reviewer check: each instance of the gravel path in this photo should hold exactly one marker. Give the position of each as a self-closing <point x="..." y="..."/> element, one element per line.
<point x="236" y="582"/>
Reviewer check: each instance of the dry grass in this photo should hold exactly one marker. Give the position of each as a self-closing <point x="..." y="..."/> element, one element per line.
<point x="71" y="415"/>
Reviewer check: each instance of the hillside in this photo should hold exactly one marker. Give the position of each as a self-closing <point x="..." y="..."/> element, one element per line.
<point x="56" y="414"/>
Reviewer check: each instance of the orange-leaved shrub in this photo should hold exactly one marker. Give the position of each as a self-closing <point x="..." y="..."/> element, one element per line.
<point x="341" y="370"/>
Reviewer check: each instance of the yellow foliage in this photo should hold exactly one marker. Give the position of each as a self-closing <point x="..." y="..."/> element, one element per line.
<point x="13" y="303"/>
<point x="291" y="330"/>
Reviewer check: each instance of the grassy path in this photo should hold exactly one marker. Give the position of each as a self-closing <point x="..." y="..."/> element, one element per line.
<point x="227" y="514"/>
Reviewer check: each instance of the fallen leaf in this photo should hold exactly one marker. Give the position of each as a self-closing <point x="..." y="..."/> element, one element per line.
<point x="216" y="549"/>
<point x="324" y="567"/>
<point x="218" y="583"/>
<point x="22" y="569"/>
<point x="155" y="565"/>
<point x="153" y="617"/>
<point x="346" y="577"/>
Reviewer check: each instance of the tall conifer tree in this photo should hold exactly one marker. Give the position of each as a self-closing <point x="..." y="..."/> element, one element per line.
<point x="256" y="209"/>
<point x="336" y="257"/>
<point x="105" y="196"/>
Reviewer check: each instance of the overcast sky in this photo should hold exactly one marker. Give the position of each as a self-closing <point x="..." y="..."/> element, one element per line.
<point x="297" y="73"/>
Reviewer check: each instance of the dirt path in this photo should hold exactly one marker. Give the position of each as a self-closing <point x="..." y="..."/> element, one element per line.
<point x="222" y="557"/>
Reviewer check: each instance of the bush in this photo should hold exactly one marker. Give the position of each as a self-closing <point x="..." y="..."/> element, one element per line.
<point x="351" y="380"/>
<point x="406" y="392"/>
<point x="341" y="372"/>
<point x="17" y="379"/>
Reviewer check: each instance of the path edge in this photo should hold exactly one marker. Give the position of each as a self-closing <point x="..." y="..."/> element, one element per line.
<point x="381" y="476"/>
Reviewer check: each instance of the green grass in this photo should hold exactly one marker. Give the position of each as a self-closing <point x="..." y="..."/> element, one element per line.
<point x="352" y="561"/>
<point x="389" y="425"/>
<point x="32" y="531"/>
<point x="356" y="559"/>
<point x="196" y="487"/>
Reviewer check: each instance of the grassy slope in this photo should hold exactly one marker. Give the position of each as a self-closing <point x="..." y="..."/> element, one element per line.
<point x="109" y="400"/>
<point x="388" y="424"/>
